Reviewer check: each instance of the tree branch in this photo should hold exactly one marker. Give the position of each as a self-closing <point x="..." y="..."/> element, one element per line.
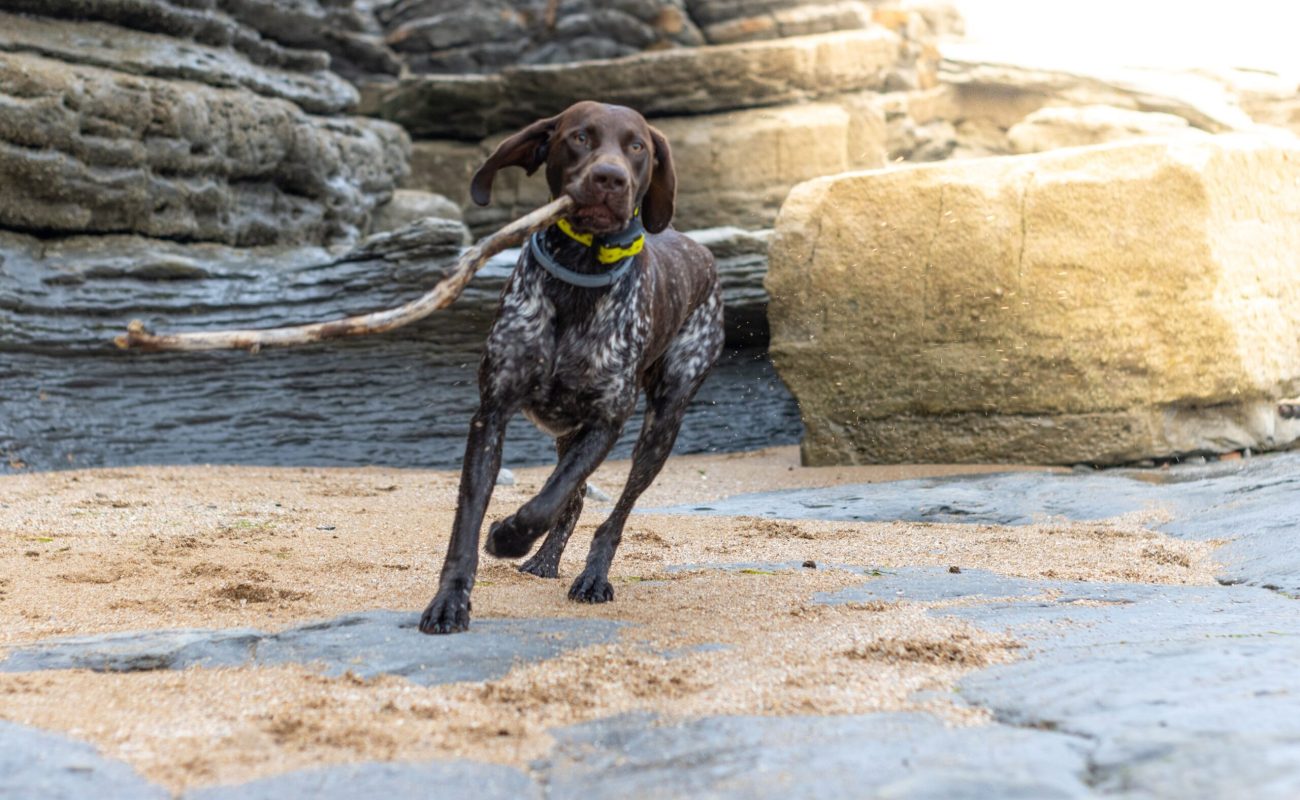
<point x="138" y="337"/>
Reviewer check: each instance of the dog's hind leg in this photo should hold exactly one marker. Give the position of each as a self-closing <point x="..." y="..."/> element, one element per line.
<point x="513" y="536"/>
<point x="681" y="371"/>
<point x="545" y="563"/>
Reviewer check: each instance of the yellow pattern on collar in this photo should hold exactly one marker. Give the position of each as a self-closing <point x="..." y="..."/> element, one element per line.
<point x="606" y="254"/>
<point x="563" y="224"/>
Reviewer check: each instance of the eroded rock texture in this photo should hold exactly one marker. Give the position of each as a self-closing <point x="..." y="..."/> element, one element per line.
<point x="454" y="36"/>
<point x="193" y="122"/>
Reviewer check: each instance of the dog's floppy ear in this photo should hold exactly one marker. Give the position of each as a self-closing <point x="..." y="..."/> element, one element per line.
<point x="661" y="198"/>
<point x="527" y="149"/>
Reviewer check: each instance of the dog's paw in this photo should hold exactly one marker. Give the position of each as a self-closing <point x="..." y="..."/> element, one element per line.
<point x="506" y="540"/>
<point x="541" y="566"/>
<point x="591" y="589"/>
<point x="448" y="612"/>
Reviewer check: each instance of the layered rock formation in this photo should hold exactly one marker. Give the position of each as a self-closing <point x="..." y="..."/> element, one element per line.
<point x="1057" y="127"/>
<point x="1096" y="305"/>
<point x="678" y="81"/>
<point x="457" y="37"/>
<point x="185" y="122"/>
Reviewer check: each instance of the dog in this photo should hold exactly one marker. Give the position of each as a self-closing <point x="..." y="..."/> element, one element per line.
<point x="605" y="304"/>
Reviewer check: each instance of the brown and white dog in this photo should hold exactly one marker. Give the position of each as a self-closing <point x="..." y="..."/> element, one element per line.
<point x="603" y="305"/>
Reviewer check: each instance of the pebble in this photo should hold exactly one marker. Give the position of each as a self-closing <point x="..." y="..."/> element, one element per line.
<point x="810" y="564"/>
<point x="505" y="477"/>
<point x="594" y="493"/>
<point x="955" y="570"/>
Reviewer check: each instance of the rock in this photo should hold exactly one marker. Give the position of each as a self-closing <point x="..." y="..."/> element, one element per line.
<point x="402" y="398"/>
<point x="798" y="19"/>
<point x="735" y="169"/>
<point x="367" y="644"/>
<point x="35" y="763"/>
<point x="1181" y="689"/>
<point x="68" y="296"/>
<point x="1053" y="128"/>
<point x="150" y="54"/>
<point x="505" y="477"/>
<point x="1098" y="305"/>
<point x="1007" y="91"/>
<point x="270" y="33"/>
<point x="594" y="492"/>
<point x="461" y="778"/>
<point x="662" y="83"/>
<point x="895" y="755"/>
<point x="90" y="150"/>
<point x="411" y="205"/>
<point x="992" y="92"/>
<point x="448" y="37"/>
<point x="1246" y="503"/>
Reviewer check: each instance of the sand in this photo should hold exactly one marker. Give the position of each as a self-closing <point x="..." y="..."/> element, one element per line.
<point x="131" y="549"/>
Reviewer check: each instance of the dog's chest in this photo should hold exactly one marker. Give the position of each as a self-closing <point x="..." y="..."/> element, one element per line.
<point x="597" y="356"/>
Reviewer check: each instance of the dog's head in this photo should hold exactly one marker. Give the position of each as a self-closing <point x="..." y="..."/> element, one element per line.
<point x="607" y="158"/>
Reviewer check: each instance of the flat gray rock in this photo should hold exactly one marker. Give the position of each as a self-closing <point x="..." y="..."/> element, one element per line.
<point x="443" y="779"/>
<point x="927" y="584"/>
<point x="367" y="644"/>
<point x="38" y="764"/>
<point x="1180" y="691"/>
<point x="878" y="755"/>
<point x="1254" y="503"/>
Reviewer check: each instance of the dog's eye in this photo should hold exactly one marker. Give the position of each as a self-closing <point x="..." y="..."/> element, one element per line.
<point x="580" y="137"/>
<point x="636" y="147"/>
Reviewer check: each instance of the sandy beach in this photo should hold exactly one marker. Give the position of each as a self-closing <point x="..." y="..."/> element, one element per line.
<point x="214" y="547"/>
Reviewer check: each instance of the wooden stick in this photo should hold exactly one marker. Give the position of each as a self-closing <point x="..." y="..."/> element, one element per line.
<point x="444" y="294"/>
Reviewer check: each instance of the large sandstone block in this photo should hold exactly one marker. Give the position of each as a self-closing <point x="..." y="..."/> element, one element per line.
<point x="91" y="150"/>
<point x="692" y="80"/>
<point x="1100" y="304"/>
<point x="732" y="169"/>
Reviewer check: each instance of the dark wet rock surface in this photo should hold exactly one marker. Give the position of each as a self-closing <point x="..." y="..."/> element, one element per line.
<point x="366" y="644"/>
<point x="1253" y="503"/>
<point x="403" y="399"/>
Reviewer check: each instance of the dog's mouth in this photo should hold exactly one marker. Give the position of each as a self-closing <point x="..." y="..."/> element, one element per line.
<point x="598" y="218"/>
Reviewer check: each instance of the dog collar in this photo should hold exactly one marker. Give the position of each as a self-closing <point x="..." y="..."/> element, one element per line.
<point x="617" y="250"/>
<point x="585" y="280"/>
<point x="612" y="248"/>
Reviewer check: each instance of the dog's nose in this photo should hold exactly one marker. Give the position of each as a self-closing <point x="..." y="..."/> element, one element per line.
<point x="609" y="178"/>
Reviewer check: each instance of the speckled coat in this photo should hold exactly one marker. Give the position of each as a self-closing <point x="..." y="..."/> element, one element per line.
<point x="574" y="361"/>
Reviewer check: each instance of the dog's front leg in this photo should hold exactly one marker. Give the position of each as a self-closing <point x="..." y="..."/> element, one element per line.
<point x="448" y="612"/>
